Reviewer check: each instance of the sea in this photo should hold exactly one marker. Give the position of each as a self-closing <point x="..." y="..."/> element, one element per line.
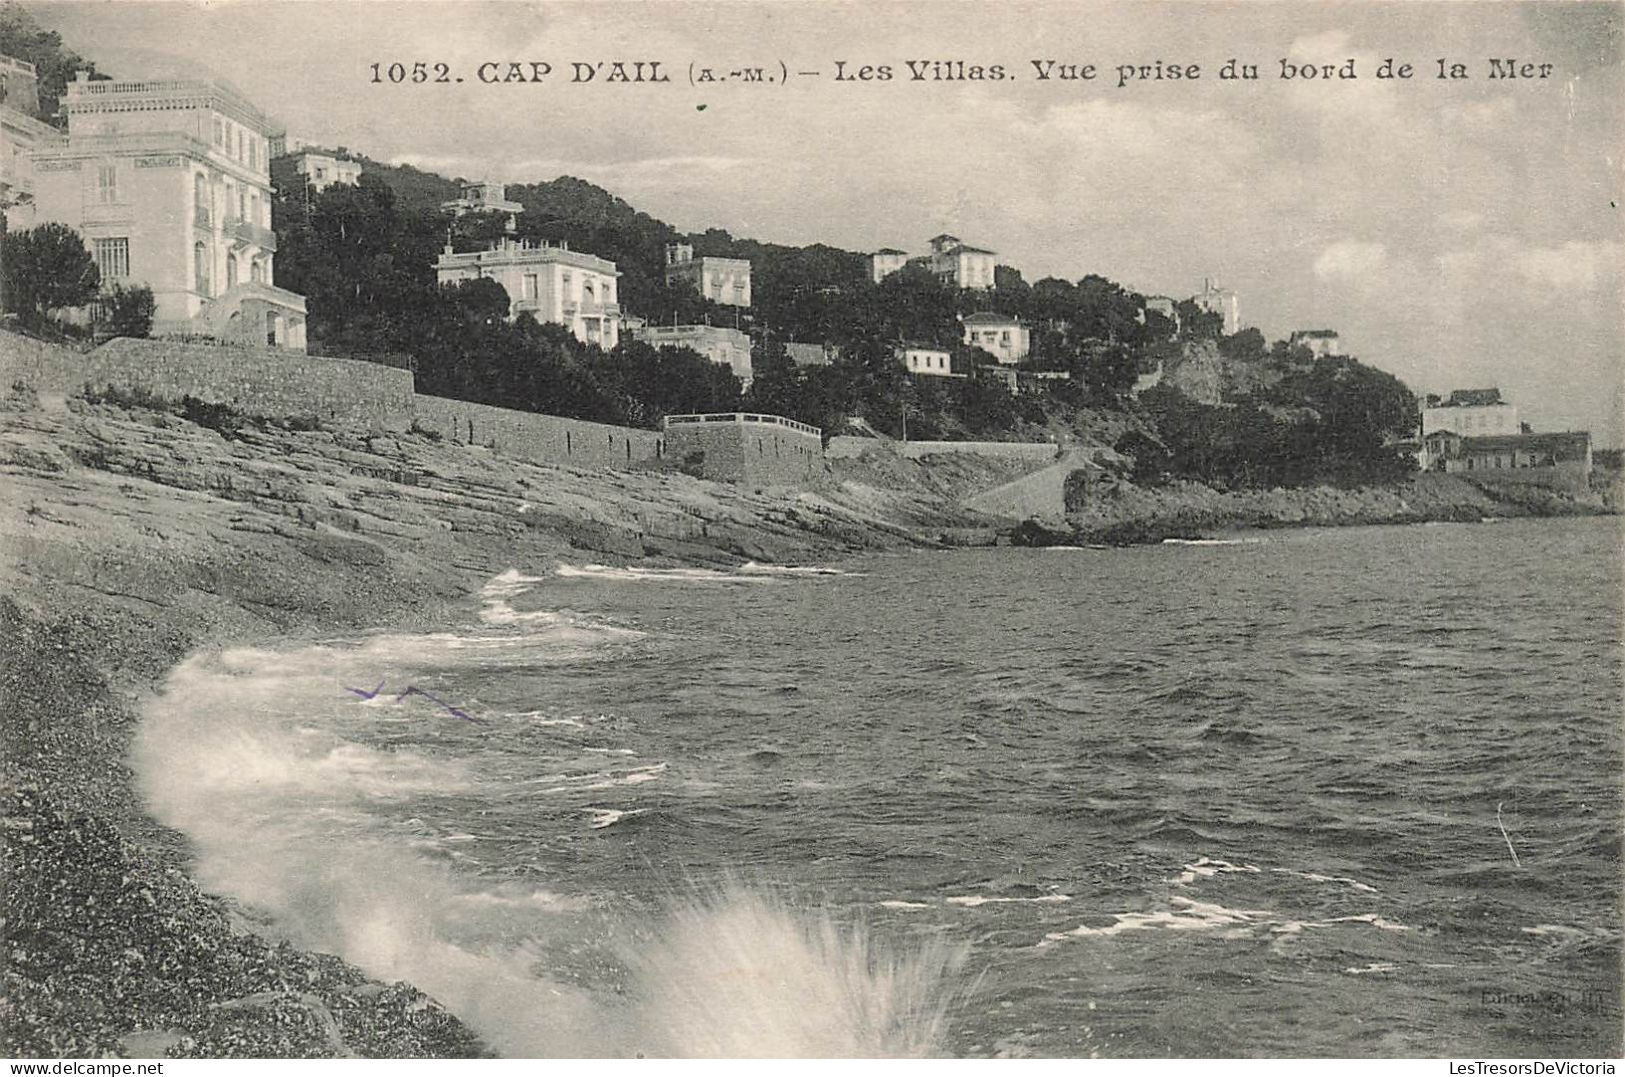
<point x="1335" y="792"/>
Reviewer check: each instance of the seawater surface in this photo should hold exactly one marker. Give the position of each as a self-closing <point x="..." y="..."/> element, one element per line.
<point x="1251" y="798"/>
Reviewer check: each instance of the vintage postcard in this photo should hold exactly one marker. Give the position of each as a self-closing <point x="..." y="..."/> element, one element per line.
<point x="811" y="530"/>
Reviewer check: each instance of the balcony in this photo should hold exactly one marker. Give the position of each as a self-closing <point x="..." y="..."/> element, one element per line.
<point x="246" y="233"/>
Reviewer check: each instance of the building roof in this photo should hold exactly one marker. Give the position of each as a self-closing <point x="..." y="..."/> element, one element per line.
<point x="1563" y="445"/>
<point x="920" y="345"/>
<point x="944" y="235"/>
<point x="985" y="317"/>
<point x="1473" y="398"/>
<point x="1314" y="334"/>
<point x="890" y="250"/>
<point x="965" y="248"/>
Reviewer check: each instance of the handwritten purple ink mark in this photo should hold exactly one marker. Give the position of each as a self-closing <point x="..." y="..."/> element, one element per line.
<point x="414" y="690"/>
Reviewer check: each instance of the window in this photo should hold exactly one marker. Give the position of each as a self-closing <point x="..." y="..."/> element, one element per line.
<point x="609" y="292"/>
<point x="239" y="144"/>
<point x="200" y="268"/>
<point x="321" y="173"/>
<point x="107" y="184"/>
<point x="231" y="271"/>
<point x="253" y="153"/>
<point x="256" y="271"/>
<point x="529" y="289"/>
<point x="219" y="132"/>
<point x="113" y="257"/>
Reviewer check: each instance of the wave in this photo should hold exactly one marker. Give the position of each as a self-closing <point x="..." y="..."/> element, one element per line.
<point x="1213" y="542"/>
<point x="246" y="753"/>
<point x="635" y="574"/>
<point x="1188" y="914"/>
<point x="755" y="568"/>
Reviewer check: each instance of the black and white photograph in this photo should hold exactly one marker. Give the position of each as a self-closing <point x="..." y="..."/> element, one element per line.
<point x="800" y="529"/>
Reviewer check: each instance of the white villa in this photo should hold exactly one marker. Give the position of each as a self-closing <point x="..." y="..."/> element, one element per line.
<point x="729" y="347"/>
<point x="1221" y="301"/>
<point x="169" y="184"/>
<point x="1007" y="339"/>
<point x="926" y="359"/>
<point x="552" y="283"/>
<point x="721" y="280"/>
<point x="952" y="262"/>
<point x="322" y="170"/>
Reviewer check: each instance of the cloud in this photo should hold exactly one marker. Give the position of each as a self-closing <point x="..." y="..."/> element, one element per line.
<point x="1351" y="260"/>
<point x="1576" y="266"/>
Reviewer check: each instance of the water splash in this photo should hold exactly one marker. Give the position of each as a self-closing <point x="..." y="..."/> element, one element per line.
<point x="257" y="756"/>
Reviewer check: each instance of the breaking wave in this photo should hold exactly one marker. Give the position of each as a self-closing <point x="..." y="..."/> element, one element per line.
<point x="260" y="758"/>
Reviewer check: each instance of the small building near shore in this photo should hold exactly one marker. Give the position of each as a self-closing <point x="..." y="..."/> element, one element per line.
<point x="1470" y="413"/>
<point x="748" y="449"/>
<point x="1561" y="460"/>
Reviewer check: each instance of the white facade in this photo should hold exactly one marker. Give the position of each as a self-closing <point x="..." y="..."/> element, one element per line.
<point x="886" y="261"/>
<point x="920" y="359"/>
<point x="483" y="198"/>
<point x="721" y="280"/>
<point x="21" y="131"/>
<point x="1471" y="414"/>
<point x="169" y="184"/>
<point x="729" y="347"/>
<point x="1006" y="338"/>
<point x="553" y="284"/>
<point x="960" y="266"/>
<point x="322" y="170"/>
<point x="1221" y="301"/>
<point x="950" y="261"/>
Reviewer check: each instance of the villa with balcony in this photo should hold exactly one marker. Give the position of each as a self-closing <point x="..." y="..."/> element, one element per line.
<point x="551" y="283"/>
<point x="169" y="184"/>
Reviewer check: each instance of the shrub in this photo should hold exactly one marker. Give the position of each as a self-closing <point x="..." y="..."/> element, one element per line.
<point x="127" y="312"/>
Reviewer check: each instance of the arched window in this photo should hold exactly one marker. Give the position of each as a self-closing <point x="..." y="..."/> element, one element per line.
<point x="200" y="197"/>
<point x="231" y="271"/>
<point x="200" y="267"/>
<point x="256" y="271"/>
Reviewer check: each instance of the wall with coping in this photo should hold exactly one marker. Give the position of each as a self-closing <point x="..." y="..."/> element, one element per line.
<point x="748" y="453"/>
<point x="269" y="382"/>
<point x="541" y="439"/>
<point x="845" y="446"/>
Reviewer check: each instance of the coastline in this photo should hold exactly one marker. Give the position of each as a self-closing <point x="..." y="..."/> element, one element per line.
<point x="132" y="538"/>
<point x="1127" y="515"/>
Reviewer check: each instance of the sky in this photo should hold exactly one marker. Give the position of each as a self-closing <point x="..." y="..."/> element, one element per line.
<point x="1458" y="233"/>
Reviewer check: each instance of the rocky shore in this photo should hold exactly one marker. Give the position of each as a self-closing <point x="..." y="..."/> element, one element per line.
<point x="134" y="533"/>
<point x="1122" y="514"/>
<point x="132" y="536"/>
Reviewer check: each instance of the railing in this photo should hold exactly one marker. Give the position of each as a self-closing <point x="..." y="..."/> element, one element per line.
<point x="741" y="417"/>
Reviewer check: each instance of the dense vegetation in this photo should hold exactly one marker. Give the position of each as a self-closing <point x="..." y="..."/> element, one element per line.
<point x="54" y="65"/>
<point x="363" y="257"/>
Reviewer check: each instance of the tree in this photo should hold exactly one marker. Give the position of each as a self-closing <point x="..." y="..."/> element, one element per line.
<point x="46" y="268"/>
<point x="128" y="312"/>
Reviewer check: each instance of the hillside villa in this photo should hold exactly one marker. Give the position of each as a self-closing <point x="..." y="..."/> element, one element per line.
<point x="551" y="283"/>
<point x="728" y="347"/>
<point x="1006" y="338"/>
<point x="721" y="280"/>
